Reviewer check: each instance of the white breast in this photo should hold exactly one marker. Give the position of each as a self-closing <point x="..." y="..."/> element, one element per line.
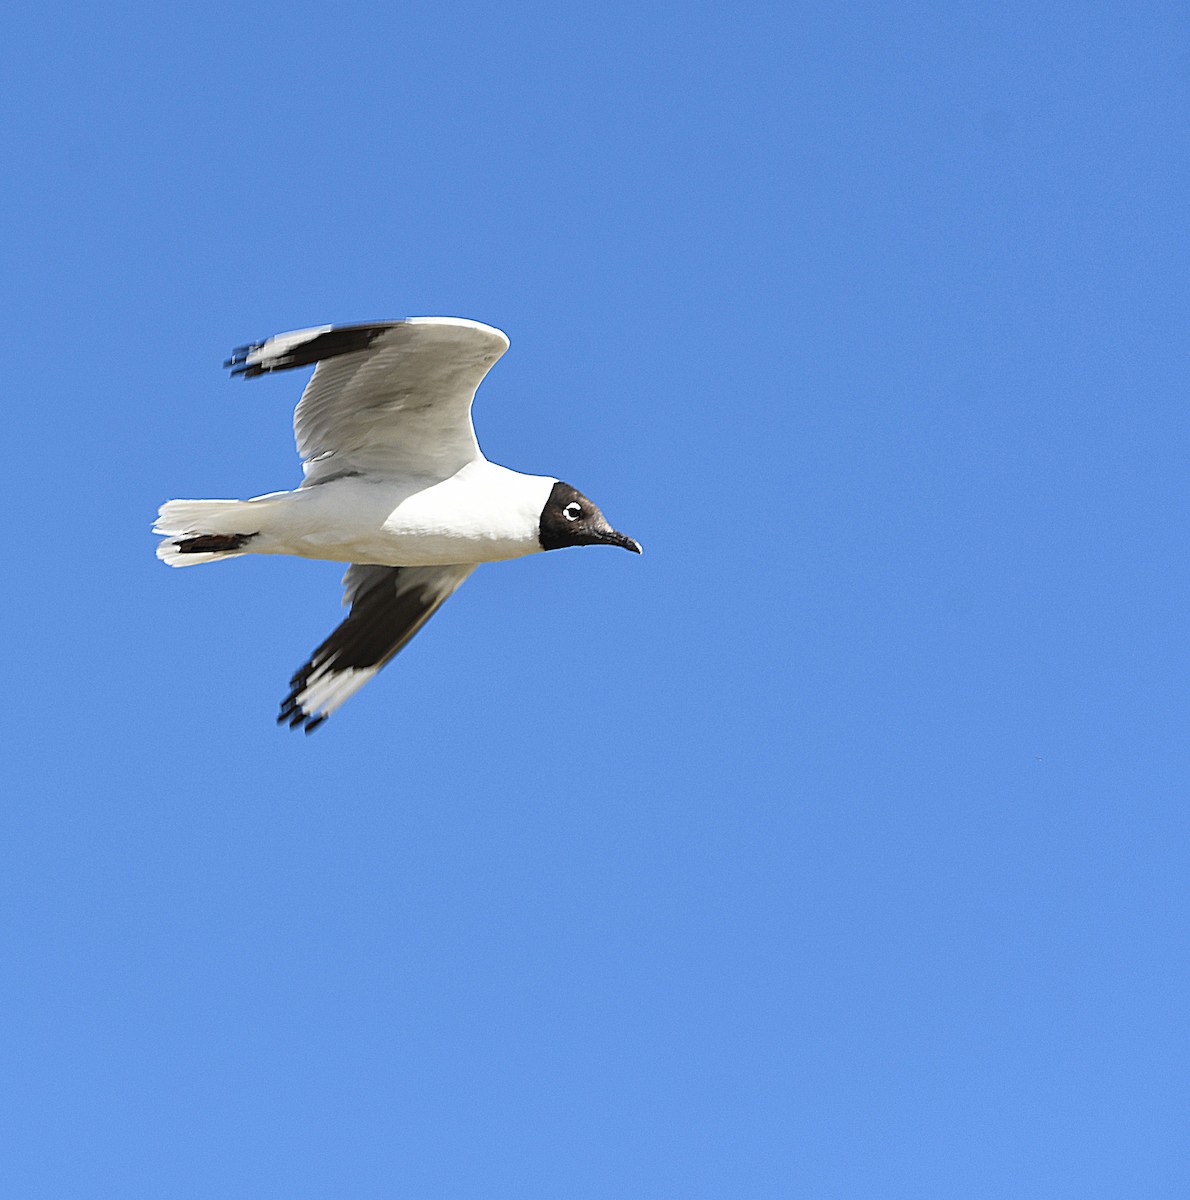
<point x="483" y="513"/>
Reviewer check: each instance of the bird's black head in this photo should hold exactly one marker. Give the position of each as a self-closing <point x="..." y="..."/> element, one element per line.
<point x="570" y="519"/>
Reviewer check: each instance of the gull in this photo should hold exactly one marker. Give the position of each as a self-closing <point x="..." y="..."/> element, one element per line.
<point x="394" y="484"/>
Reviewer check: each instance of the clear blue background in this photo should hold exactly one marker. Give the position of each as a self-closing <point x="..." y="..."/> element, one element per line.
<point x="836" y="848"/>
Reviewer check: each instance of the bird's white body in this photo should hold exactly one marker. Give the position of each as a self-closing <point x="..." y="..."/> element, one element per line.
<point x="395" y="484"/>
<point x="481" y="513"/>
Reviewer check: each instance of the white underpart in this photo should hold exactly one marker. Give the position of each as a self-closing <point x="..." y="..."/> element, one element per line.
<point x="483" y="513"/>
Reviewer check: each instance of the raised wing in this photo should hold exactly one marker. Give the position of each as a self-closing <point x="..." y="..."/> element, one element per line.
<point x="392" y="398"/>
<point x="388" y="606"/>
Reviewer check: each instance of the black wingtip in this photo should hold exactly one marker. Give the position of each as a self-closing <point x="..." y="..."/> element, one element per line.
<point x="295" y="717"/>
<point x="331" y="343"/>
<point x="238" y="362"/>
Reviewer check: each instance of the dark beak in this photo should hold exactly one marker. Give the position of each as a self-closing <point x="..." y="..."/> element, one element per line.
<point x="612" y="538"/>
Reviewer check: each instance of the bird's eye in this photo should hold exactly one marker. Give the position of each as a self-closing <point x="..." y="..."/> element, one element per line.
<point x="572" y="510"/>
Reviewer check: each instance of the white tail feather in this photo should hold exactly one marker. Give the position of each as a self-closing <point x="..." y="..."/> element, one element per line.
<point x="169" y="554"/>
<point x="180" y="519"/>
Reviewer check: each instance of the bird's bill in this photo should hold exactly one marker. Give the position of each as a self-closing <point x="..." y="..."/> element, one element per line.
<point x="613" y="538"/>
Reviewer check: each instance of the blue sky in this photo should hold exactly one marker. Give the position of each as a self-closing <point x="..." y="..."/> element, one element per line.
<point x="837" y="847"/>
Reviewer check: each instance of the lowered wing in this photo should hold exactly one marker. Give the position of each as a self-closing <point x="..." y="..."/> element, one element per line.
<point x="388" y="606"/>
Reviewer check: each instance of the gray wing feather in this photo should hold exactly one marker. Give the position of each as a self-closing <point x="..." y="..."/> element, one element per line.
<point x="402" y="406"/>
<point x="392" y="397"/>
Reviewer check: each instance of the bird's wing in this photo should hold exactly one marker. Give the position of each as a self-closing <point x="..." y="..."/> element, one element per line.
<point x="388" y="606"/>
<point x="392" y="398"/>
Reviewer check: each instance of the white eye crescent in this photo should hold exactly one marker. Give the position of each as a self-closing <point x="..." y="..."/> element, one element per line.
<point x="572" y="510"/>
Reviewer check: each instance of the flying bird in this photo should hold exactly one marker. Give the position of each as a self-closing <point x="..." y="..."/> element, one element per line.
<point x="395" y="484"/>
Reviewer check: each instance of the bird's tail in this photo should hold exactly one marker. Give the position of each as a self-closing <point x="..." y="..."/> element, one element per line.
<point x="202" y="531"/>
